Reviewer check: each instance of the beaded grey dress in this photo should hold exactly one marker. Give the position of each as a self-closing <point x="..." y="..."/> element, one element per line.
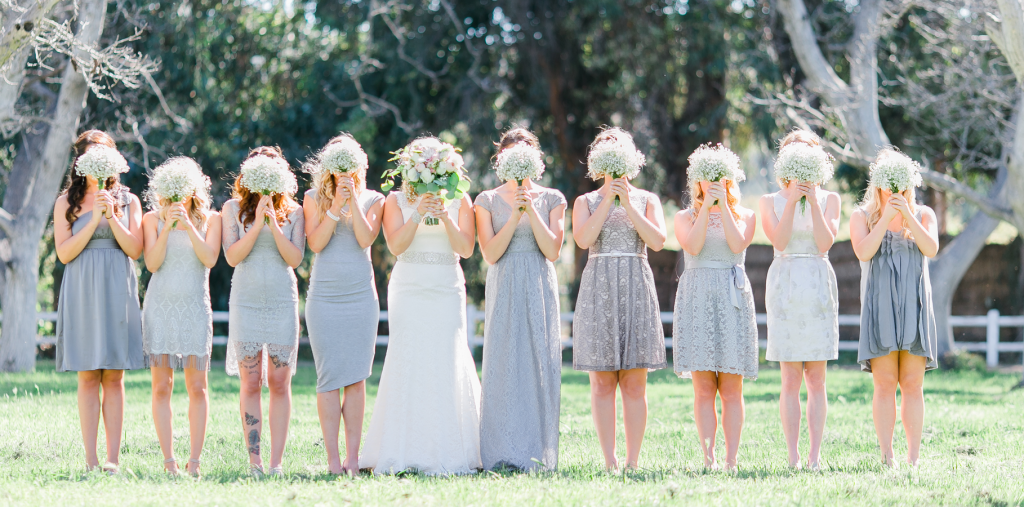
<point x="522" y="366"/>
<point x="342" y="310"/>
<point x="177" y="320"/>
<point x="99" y="325"/>
<point x="896" y="303"/>
<point x="713" y="325"/>
<point x="617" y="325"/>
<point x="263" y="316"/>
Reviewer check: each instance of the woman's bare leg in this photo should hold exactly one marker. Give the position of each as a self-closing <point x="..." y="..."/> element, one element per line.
<point x="279" y="376"/>
<point x="198" y="414"/>
<point x="602" y="407"/>
<point x="163" y="386"/>
<point x="817" y="408"/>
<point x="113" y="412"/>
<point x="885" y="373"/>
<point x="912" y="401"/>
<point x="705" y="414"/>
<point x="250" y="372"/>
<point x="789" y="408"/>
<point x="352" y="410"/>
<point x="328" y="407"/>
<point x="633" y="384"/>
<point x="730" y="388"/>
<point x="89" y="413"/>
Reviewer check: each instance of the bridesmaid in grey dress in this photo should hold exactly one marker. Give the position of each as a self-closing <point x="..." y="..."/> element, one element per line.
<point x="714" y="332"/>
<point x="98" y="234"/>
<point x="617" y="330"/>
<point x="522" y="366"/>
<point x="342" y="310"/>
<point x="182" y="242"/>
<point x="893" y="237"/>
<point x="263" y="321"/>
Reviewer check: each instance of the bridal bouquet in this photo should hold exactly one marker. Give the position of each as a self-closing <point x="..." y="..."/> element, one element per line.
<point x="429" y="166"/>
<point x="101" y="162"/>
<point x="268" y="175"/>
<point x="803" y="162"/>
<point x="714" y="163"/>
<point x="615" y="158"/>
<point x="519" y="162"/>
<point x="895" y="171"/>
<point x="175" y="180"/>
<point x="343" y="156"/>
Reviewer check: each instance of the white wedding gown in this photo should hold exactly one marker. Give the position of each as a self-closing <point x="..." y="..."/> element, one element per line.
<point x="427" y="413"/>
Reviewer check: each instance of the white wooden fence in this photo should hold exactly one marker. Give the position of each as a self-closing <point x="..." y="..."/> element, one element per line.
<point x="992" y="322"/>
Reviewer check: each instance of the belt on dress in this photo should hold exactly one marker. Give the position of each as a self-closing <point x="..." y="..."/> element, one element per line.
<point x="436" y="258"/>
<point x="618" y="254"/>
<point x="801" y="256"/>
<point x="737" y="271"/>
<point x="102" y="243"/>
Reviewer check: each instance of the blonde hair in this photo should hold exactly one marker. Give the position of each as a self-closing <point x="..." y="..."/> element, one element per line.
<point x="873" y="202"/>
<point x="732" y="194"/>
<point x="325" y="183"/>
<point x="797" y="136"/>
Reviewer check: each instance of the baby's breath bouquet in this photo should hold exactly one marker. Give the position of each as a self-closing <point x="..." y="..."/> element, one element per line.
<point x="268" y="175"/>
<point x="803" y="162"/>
<point x="714" y="163"/>
<point x="101" y="162"/>
<point x="615" y="158"/>
<point x="343" y="156"/>
<point x="175" y="180"/>
<point x="430" y="166"/>
<point x="895" y="172"/>
<point x="519" y="162"/>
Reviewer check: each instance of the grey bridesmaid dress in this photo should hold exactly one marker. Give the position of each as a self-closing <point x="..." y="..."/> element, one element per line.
<point x="522" y="363"/>
<point x="896" y="303"/>
<point x="342" y="309"/>
<point x="617" y="325"/>
<point x="99" y="325"/>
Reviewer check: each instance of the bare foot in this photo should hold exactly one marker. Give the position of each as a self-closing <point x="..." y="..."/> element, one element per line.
<point x="611" y="466"/>
<point x="351" y="467"/>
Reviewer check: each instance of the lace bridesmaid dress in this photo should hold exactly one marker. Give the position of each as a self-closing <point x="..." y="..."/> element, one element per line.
<point x="801" y="295"/>
<point x="177" y="320"/>
<point x="522" y="367"/>
<point x="713" y="326"/>
<point x="99" y="325"/>
<point x="617" y="325"/>
<point x="427" y="414"/>
<point x="263" y="316"/>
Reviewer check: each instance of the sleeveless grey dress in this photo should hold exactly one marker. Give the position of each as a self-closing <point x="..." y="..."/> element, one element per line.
<point x="617" y="325"/>
<point x="263" y="308"/>
<point x="99" y="325"/>
<point x="713" y="325"/>
<point x="522" y="367"/>
<point x="177" y="320"/>
<point x="342" y="310"/>
<point x="896" y="303"/>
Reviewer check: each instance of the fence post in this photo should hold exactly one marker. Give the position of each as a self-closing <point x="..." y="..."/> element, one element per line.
<point x="992" y="339"/>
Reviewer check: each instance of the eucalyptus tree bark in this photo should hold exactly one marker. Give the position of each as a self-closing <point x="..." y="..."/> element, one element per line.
<point x="856" y="106"/>
<point x="35" y="179"/>
<point x="18" y="24"/>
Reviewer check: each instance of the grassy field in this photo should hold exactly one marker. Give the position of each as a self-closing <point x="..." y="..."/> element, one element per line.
<point x="973" y="452"/>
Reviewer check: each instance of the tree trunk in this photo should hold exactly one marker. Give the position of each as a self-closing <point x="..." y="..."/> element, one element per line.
<point x="38" y="175"/>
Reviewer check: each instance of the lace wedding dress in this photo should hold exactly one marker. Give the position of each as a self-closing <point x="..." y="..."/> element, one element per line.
<point x="427" y="412"/>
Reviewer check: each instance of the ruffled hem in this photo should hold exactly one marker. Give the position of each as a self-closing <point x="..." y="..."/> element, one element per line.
<point x="687" y="372"/>
<point x="648" y="366"/>
<point x="178" y="362"/>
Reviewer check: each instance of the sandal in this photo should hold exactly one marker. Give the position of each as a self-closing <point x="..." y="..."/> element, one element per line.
<point x="111" y="468"/>
<point x="195" y="470"/>
<point x="277" y="471"/>
<point x="176" y="472"/>
<point x="256" y="470"/>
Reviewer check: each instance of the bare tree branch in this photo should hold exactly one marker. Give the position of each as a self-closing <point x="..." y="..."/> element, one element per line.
<point x="6" y="222"/>
<point x="19" y="24"/>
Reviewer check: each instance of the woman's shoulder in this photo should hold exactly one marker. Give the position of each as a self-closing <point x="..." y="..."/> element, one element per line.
<point x="372" y="195"/>
<point x="485" y="198"/>
<point x="309" y="194"/>
<point x="744" y="212"/>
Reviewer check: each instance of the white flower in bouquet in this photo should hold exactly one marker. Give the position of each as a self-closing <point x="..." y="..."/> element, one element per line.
<point x="176" y="180"/>
<point x="343" y="156"/>
<point x="803" y="162"/>
<point x="101" y="162"/>
<point x="519" y="162"/>
<point x="714" y="163"/>
<point x="268" y="175"/>
<point x="895" y="172"/>
<point x="615" y="158"/>
<point x="429" y="166"/>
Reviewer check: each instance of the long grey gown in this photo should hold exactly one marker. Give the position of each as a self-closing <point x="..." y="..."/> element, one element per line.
<point x="617" y="325"/>
<point x="263" y="308"/>
<point x="522" y="367"/>
<point x="177" y="319"/>
<point x="896" y="303"/>
<point x="99" y="325"/>
<point x="342" y="310"/>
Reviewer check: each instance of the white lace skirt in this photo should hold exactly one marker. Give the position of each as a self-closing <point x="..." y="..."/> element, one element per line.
<point x="802" y="302"/>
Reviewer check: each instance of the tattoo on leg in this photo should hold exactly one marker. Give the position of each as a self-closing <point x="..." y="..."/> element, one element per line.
<point x="278" y="363"/>
<point x="254" y="442"/>
<point x="250" y="420"/>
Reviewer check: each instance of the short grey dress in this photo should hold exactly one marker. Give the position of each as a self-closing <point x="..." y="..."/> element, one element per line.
<point x="342" y="310"/>
<point x="713" y="325"/>
<point x="263" y="308"/>
<point x="99" y="325"/>
<point x="522" y="367"/>
<point x="896" y="303"/>
<point x="177" y="320"/>
<point x="617" y="325"/>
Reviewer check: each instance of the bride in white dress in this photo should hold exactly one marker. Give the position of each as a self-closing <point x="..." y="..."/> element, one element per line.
<point x="427" y="413"/>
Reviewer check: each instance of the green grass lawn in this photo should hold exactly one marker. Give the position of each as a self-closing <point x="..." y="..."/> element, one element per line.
<point x="973" y="452"/>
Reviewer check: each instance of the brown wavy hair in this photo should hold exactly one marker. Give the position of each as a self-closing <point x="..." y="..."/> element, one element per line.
<point x="513" y="136"/>
<point x="78" y="184"/>
<point x="247" y="201"/>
